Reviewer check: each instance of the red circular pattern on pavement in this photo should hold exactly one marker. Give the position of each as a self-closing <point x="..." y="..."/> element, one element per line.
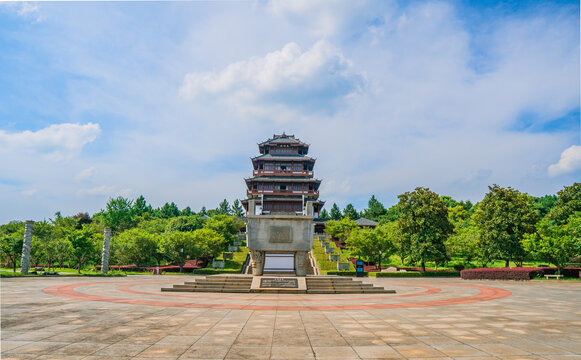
<point x="68" y="291"/>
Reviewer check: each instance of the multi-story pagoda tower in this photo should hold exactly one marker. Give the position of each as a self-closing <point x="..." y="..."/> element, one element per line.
<point x="283" y="180"/>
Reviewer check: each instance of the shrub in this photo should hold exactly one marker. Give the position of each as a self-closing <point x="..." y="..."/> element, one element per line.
<point x="443" y="273"/>
<point x="503" y="273"/>
<point x="345" y="273"/>
<point x="516" y="273"/>
<point x="214" y="271"/>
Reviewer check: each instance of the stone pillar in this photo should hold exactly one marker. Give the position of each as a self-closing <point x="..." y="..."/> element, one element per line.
<point x="257" y="261"/>
<point x="105" y="256"/>
<point x="24" y="261"/>
<point x="301" y="263"/>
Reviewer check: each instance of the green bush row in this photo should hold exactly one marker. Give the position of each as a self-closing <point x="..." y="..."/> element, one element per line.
<point x="418" y="274"/>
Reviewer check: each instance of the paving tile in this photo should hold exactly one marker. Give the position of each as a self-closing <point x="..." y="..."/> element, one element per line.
<point x="248" y="352"/>
<point x="80" y="349"/>
<point x="291" y="352"/>
<point x="160" y="350"/>
<point x="417" y="350"/>
<point x="205" y="352"/>
<point x="121" y="350"/>
<point x="335" y="353"/>
<point x="376" y="352"/>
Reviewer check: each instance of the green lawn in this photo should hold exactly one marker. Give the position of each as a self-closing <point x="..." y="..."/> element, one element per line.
<point x="323" y="259"/>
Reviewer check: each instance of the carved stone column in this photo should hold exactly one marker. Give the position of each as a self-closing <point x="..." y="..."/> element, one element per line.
<point x="301" y="263"/>
<point x="25" y="259"/>
<point x="105" y="255"/>
<point x="257" y="261"/>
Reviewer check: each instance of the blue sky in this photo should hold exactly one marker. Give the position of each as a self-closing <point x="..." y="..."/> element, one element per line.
<point x="168" y="100"/>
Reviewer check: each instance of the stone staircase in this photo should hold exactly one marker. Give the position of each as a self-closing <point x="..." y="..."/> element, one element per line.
<point x="341" y="285"/>
<point x="243" y="284"/>
<point x="216" y="283"/>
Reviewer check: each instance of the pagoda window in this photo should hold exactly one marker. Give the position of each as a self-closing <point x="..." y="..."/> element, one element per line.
<point x="260" y="166"/>
<point x="283" y="187"/>
<point x="268" y="166"/>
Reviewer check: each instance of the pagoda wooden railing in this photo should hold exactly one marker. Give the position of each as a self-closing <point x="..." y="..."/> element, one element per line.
<point x="282" y="192"/>
<point x="282" y="172"/>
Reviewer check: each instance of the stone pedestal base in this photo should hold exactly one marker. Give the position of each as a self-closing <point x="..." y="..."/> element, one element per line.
<point x="257" y="262"/>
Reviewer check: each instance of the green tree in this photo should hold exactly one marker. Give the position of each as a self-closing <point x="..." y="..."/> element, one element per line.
<point x="83" y="245"/>
<point x="390" y="215"/>
<point x="324" y="214"/>
<point x="212" y="243"/>
<point x="118" y="214"/>
<point x="237" y="209"/>
<point x="137" y="247"/>
<point x="340" y="229"/>
<point x="375" y="209"/>
<point x="224" y="208"/>
<point x="543" y="205"/>
<point x="185" y="223"/>
<point x="11" y="240"/>
<point x="449" y="202"/>
<point x="140" y="206"/>
<point x="225" y="225"/>
<point x="187" y="211"/>
<point x="350" y="212"/>
<point x="504" y="216"/>
<point x="179" y="246"/>
<point x="169" y="210"/>
<point x="556" y="243"/>
<point x="373" y="244"/>
<point x="464" y="244"/>
<point x="568" y="203"/>
<point x="424" y="225"/>
<point x="203" y="211"/>
<point x="335" y="212"/>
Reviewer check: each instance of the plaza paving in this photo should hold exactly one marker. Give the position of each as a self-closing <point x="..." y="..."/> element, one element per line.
<point x="130" y="318"/>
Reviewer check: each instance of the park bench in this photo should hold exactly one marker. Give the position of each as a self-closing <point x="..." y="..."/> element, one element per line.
<point x="39" y="268"/>
<point x="553" y="276"/>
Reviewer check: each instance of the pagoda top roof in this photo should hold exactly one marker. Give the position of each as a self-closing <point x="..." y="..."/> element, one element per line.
<point x="284" y="139"/>
<point x="293" y="157"/>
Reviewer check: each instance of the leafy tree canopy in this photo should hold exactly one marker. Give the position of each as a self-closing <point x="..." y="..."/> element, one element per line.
<point x="350" y="212"/>
<point x="568" y="203"/>
<point x="504" y="216"/>
<point x="335" y="212"/>
<point x="424" y="225"/>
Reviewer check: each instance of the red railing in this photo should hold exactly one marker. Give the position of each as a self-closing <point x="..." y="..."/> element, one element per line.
<point x="282" y="192"/>
<point x="282" y="172"/>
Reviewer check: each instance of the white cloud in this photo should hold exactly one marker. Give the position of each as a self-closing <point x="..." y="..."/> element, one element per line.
<point x="56" y="142"/>
<point x="318" y="79"/>
<point x="570" y="162"/>
<point x="86" y="174"/>
<point x="26" y="10"/>
<point x="29" y="192"/>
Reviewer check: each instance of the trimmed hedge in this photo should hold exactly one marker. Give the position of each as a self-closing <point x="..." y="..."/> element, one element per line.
<point x="345" y="273"/>
<point x="502" y="273"/>
<point x="214" y="271"/>
<point x="515" y="273"/>
<point x="419" y="274"/>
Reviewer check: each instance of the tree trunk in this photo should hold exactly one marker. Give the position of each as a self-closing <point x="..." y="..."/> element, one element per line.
<point x="423" y="265"/>
<point x="379" y="262"/>
<point x="507" y="263"/>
